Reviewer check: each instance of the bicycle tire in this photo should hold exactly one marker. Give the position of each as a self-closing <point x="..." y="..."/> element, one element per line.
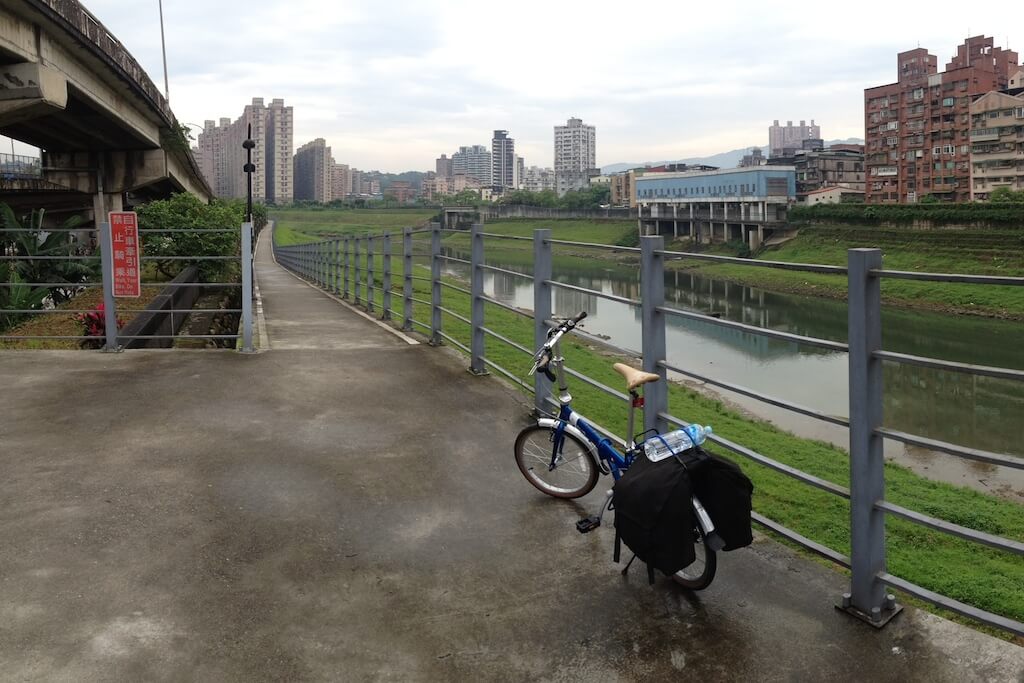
<point x="574" y="476"/>
<point x="701" y="572"/>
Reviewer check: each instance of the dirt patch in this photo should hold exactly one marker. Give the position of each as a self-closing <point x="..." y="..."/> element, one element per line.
<point x="63" y="324"/>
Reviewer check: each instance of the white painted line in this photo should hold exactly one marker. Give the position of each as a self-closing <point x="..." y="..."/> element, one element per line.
<point x="380" y="323"/>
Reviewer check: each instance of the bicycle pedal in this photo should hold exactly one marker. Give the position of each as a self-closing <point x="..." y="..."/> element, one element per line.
<point x="588" y="524"/>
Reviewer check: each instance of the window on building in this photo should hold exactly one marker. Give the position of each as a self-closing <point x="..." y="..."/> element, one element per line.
<point x="948" y="101"/>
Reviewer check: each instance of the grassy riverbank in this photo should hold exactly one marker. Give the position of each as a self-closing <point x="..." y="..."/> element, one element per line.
<point x="298" y="226"/>
<point x="972" y="573"/>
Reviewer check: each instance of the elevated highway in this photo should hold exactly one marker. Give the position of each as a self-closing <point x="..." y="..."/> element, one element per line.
<point x="70" y="88"/>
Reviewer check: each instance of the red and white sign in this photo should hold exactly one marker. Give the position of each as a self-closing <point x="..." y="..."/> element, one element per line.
<point x="124" y="235"/>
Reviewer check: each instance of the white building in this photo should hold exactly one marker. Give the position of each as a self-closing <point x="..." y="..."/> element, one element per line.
<point x="536" y="179"/>
<point x="575" y="156"/>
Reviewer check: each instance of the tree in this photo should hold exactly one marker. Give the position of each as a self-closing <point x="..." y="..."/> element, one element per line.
<point x="1004" y="195"/>
<point x="187" y="212"/>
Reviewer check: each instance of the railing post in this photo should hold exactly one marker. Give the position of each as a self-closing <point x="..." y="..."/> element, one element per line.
<point x="336" y="266"/>
<point x="370" y="288"/>
<point x="345" y="294"/>
<point x="867" y="598"/>
<point x="385" y="299"/>
<point x="318" y="266"/>
<point x="407" y="279"/>
<point x="652" y="297"/>
<point x="247" y="287"/>
<point x="476" y="279"/>
<point x="541" y="311"/>
<point x="435" y="284"/>
<point x="109" y="303"/>
<point x="355" y="275"/>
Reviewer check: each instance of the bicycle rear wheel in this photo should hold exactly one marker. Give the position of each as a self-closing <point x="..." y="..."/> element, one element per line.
<point x="701" y="572"/>
<point x="573" y="473"/>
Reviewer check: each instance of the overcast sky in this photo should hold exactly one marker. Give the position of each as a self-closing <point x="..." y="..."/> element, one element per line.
<point x="392" y="85"/>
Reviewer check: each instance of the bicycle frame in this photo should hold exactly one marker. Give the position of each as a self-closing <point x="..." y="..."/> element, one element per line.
<point x="609" y="459"/>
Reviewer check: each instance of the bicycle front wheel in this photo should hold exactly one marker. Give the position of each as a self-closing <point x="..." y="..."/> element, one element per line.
<point x="701" y="572"/>
<point x="565" y="469"/>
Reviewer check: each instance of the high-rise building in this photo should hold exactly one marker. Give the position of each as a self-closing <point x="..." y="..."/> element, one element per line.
<point x="503" y="161"/>
<point x="575" y="156"/>
<point x="222" y="157"/>
<point x="313" y="167"/>
<point x="786" y="139"/>
<point x="917" y="130"/>
<point x="443" y="167"/>
<point x="474" y="161"/>
<point x="341" y="181"/>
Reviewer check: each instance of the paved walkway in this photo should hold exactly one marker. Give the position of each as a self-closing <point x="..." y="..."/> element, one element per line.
<point x="345" y="506"/>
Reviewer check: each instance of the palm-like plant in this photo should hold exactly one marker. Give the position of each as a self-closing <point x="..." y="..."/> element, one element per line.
<point x="26" y="240"/>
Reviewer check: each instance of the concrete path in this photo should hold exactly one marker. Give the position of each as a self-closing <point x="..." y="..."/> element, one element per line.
<point x="345" y="507"/>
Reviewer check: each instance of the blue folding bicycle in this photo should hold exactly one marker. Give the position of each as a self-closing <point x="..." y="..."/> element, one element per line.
<point x="562" y="455"/>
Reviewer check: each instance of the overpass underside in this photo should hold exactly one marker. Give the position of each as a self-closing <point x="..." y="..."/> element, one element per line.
<point x="68" y="87"/>
<point x="747" y="220"/>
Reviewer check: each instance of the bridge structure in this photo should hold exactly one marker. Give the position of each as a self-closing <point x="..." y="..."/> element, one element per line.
<point x="70" y="88"/>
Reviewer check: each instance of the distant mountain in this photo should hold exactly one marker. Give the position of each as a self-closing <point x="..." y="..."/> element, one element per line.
<point x="722" y="160"/>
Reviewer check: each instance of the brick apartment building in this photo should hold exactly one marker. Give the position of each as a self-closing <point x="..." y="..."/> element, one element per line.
<point x="917" y="130"/>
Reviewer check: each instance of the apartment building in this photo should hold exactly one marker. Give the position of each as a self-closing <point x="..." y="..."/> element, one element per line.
<point x="997" y="142"/>
<point x="222" y="157"/>
<point x="537" y="179"/>
<point x="313" y="167"/>
<point x="473" y="161"/>
<point x="341" y="181"/>
<point x="623" y="188"/>
<point x="443" y="167"/>
<point x="839" y="165"/>
<point x="790" y="137"/>
<point x="401" y="191"/>
<point x="503" y="161"/>
<point x="575" y="155"/>
<point x="917" y="140"/>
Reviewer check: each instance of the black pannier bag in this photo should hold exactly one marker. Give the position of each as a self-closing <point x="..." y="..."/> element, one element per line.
<point x="725" y="492"/>
<point x="653" y="513"/>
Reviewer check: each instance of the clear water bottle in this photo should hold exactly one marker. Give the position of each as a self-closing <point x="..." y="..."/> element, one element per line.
<point x="664" y="446"/>
<point x="697" y="433"/>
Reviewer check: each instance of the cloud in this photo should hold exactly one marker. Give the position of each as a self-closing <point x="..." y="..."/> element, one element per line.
<point x="392" y="86"/>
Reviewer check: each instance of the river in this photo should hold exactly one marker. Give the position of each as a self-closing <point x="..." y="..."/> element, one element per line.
<point x="978" y="412"/>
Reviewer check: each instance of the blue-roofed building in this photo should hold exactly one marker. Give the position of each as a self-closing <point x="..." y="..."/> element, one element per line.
<point x="736" y="204"/>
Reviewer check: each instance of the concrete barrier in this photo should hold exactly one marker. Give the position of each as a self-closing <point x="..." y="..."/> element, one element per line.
<point x="156" y="320"/>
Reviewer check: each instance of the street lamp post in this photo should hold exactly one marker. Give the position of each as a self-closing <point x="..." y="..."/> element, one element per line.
<point x="163" y="47"/>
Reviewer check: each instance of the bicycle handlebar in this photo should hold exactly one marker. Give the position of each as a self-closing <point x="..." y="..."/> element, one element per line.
<point x="542" y="358"/>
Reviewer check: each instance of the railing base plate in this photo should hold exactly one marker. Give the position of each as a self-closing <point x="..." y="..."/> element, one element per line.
<point x="884" y="617"/>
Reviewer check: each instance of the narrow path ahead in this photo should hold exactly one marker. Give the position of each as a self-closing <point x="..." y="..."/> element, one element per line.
<point x="345" y="507"/>
<point x="299" y="316"/>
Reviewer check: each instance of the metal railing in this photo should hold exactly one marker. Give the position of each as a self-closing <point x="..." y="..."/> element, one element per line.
<point x="327" y="264"/>
<point x="170" y="315"/>
<point x="19" y="166"/>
